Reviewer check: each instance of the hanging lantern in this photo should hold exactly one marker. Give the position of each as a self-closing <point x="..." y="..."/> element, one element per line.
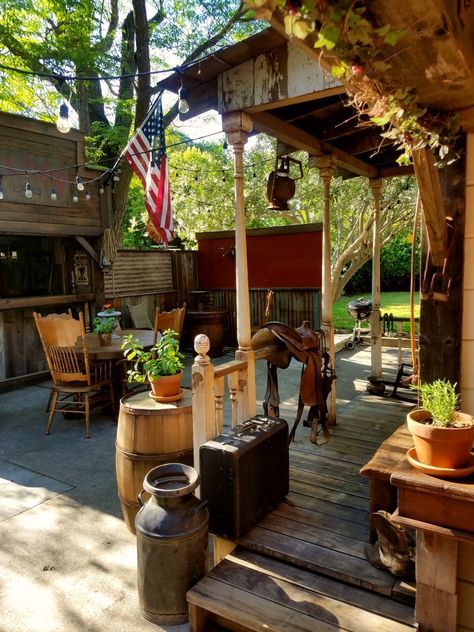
<point x="280" y="187"/>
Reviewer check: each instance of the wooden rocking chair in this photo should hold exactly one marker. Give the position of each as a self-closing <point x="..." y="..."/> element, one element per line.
<point x="78" y="386"/>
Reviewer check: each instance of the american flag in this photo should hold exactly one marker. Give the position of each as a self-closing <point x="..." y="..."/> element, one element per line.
<point x="146" y="153"/>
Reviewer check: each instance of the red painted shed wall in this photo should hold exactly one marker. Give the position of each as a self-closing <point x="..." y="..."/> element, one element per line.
<point x="276" y="258"/>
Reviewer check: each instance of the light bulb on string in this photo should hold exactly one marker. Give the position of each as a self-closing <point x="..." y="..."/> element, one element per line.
<point x="28" y="190"/>
<point x="54" y="194"/>
<point x="183" y="105"/>
<point x="79" y="183"/>
<point x="75" y="197"/>
<point x="63" y="123"/>
<point x="88" y="195"/>
<point x="101" y="189"/>
<point x="1" y="188"/>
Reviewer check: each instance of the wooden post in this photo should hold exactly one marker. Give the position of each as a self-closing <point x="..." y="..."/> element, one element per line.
<point x="376" y="184"/>
<point x="326" y="165"/>
<point x="204" y="414"/>
<point x="436" y="592"/>
<point x="237" y="126"/>
<point x="467" y="350"/>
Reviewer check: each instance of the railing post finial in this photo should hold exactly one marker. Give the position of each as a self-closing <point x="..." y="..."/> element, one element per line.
<point x="201" y="347"/>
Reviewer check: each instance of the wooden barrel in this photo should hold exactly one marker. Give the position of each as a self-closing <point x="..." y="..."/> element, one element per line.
<point x="149" y="434"/>
<point x="211" y="323"/>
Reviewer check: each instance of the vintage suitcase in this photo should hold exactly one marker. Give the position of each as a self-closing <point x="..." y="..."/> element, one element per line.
<point x="244" y="473"/>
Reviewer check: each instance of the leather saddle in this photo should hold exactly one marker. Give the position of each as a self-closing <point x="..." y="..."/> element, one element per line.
<point x="306" y="346"/>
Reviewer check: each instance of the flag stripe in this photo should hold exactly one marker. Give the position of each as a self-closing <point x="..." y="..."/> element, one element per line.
<point x="150" y="165"/>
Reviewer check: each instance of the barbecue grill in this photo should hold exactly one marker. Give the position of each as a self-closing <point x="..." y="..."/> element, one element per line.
<point x="360" y="311"/>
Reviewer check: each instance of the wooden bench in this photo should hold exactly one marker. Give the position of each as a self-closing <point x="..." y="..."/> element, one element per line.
<point x="250" y="592"/>
<point x="379" y="469"/>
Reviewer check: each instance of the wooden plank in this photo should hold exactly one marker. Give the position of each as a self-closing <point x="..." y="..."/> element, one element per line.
<point x="318" y="559"/>
<point x="466" y="562"/>
<point x="318" y="521"/>
<point x="307" y="533"/>
<point x="319" y="502"/>
<point x="436" y="598"/>
<point x="322" y="608"/>
<point x="331" y="482"/>
<point x="427" y="176"/>
<point x="251" y="611"/>
<point x="326" y="586"/>
<point x="465" y="605"/>
<point x="337" y="497"/>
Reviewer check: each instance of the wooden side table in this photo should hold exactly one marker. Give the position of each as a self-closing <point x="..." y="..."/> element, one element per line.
<point x="442" y="512"/>
<point x="382" y="495"/>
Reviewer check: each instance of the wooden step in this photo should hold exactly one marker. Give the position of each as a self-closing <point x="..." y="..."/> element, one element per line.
<point x="248" y="592"/>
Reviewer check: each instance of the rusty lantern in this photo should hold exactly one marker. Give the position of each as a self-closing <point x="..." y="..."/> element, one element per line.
<point x="280" y="187"/>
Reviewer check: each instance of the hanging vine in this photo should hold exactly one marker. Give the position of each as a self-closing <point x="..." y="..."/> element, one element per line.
<point x="360" y="53"/>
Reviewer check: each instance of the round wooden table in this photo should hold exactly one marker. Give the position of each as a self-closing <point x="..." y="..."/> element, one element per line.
<point x="115" y="351"/>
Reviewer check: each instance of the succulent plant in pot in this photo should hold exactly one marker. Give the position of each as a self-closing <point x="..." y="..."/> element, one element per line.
<point x="443" y="435"/>
<point x="161" y="365"/>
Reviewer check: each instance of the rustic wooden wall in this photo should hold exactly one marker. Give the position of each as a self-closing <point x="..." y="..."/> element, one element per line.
<point x="158" y="278"/>
<point x="35" y="145"/>
<point x="289" y="306"/>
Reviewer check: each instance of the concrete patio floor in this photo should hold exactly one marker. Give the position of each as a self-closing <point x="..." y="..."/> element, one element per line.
<point x="68" y="561"/>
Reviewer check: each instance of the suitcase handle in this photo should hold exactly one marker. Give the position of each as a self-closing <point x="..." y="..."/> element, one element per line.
<point x="248" y="425"/>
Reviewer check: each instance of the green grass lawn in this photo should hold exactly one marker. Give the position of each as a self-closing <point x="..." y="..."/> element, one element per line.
<point x="396" y="303"/>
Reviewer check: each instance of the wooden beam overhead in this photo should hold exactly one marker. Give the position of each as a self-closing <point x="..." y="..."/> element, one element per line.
<point x="434" y="211"/>
<point x="287" y="133"/>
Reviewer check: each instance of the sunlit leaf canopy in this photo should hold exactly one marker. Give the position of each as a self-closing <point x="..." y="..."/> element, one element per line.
<point x="102" y="39"/>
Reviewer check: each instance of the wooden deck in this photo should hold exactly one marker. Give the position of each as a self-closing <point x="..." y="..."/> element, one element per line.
<point x="303" y="566"/>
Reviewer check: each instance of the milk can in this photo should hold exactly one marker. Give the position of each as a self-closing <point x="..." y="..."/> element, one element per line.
<point x="172" y="536"/>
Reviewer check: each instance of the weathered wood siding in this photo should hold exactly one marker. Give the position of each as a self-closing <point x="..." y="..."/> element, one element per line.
<point x="157" y="278"/>
<point x="139" y="272"/>
<point x="289" y="306"/>
<point x="32" y="145"/>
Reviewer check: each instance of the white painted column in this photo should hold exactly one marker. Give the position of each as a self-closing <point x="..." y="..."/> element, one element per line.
<point x="326" y="165"/>
<point x="237" y="126"/>
<point x="467" y="348"/>
<point x="376" y="185"/>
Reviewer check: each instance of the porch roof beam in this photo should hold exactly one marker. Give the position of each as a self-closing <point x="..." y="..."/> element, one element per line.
<point x="287" y="133"/>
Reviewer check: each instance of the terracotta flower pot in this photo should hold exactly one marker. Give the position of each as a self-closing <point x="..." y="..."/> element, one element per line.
<point x="167" y="386"/>
<point x="441" y="447"/>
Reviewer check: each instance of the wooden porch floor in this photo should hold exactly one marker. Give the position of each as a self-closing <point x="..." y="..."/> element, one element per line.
<point x="303" y="566"/>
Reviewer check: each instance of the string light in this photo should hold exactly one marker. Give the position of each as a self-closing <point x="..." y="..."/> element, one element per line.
<point x="28" y="190"/>
<point x="75" y="197"/>
<point x="183" y="105"/>
<point x="101" y="189"/>
<point x="79" y="183"/>
<point x="88" y="195"/>
<point x="62" y="123"/>
<point x="1" y="189"/>
<point x="54" y="194"/>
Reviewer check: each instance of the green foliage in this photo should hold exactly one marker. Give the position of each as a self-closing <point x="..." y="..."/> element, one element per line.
<point x="104" y="325"/>
<point x="395" y="268"/>
<point x="164" y="358"/>
<point x="440" y="399"/>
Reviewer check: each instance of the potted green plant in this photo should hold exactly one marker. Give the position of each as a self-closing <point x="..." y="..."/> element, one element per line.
<point x="161" y="365"/>
<point x="104" y="327"/>
<point x="443" y="436"/>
